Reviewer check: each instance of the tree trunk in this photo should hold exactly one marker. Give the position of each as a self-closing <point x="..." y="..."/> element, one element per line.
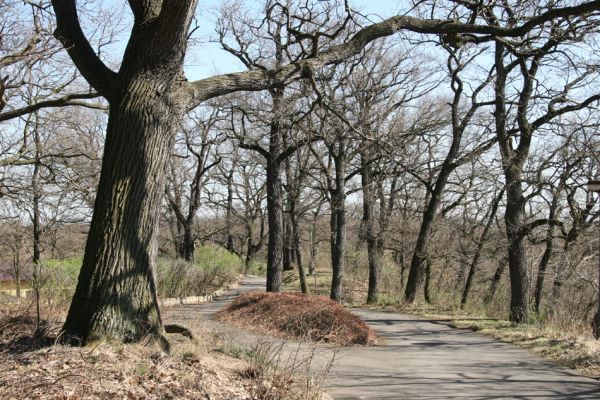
<point x="314" y="243"/>
<point x="539" y="283"/>
<point x="548" y="251"/>
<point x="36" y="188"/>
<point x="250" y="254"/>
<point x="274" y="214"/>
<point x="373" y="256"/>
<point x="287" y="244"/>
<point x="187" y="246"/>
<point x="116" y="292"/>
<point x="369" y="228"/>
<point x="275" y="196"/>
<point x="517" y="256"/>
<point x="229" y="210"/>
<point x="478" y="251"/>
<point x="495" y="280"/>
<point x="338" y="221"/>
<point x="296" y="240"/>
<point x="399" y="260"/>
<point x="17" y="271"/>
<point x="338" y="244"/>
<point x="313" y="253"/>
<point x="419" y="259"/>
<point x="426" y="288"/>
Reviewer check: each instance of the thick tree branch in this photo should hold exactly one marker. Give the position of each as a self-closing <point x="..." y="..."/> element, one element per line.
<point x="65" y="101"/>
<point x="254" y="147"/>
<point x="555" y="112"/>
<point x="69" y="33"/>
<point x="260" y="80"/>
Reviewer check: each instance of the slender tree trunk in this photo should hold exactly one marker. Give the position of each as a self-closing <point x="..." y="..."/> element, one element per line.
<point x="369" y="228"/>
<point x="418" y="264"/>
<point x="478" y="251"/>
<point x="399" y="260"/>
<point x="495" y="280"/>
<point x="338" y="245"/>
<point x="229" y="210"/>
<point x="463" y="267"/>
<point x="36" y="188"/>
<point x="287" y="244"/>
<point x="250" y="247"/>
<point x="296" y="240"/>
<point x="338" y="222"/>
<point x="548" y="251"/>
<point x="313" y="242"/>
<point x="17" y="270"/>
<point x="426" y="288"/>
<point x="539" y="283"/>
<point x="313" y="254"/>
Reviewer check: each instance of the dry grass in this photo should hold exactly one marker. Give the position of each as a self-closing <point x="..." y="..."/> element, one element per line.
<point x="297" y="316"/>
<point x="34" y="366"/>
<point x="31" y="368"/>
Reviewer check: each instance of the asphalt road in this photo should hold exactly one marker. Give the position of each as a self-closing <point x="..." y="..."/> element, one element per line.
<point x="421" y="359"/>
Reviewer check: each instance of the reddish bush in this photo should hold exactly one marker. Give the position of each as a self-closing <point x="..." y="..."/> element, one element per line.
<point x="296" y="315"/>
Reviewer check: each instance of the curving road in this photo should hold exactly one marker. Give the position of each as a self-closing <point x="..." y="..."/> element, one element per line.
<point x="420" y="359"/>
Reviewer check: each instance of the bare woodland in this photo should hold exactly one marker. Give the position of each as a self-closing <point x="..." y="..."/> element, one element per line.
<point x="440" y="156"/>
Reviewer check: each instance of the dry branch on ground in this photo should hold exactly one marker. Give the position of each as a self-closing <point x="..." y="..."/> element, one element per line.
<point x="298" y="316"/>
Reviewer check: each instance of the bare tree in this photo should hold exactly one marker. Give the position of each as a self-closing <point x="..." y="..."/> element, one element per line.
<point x="526" y="60"/>
<point x="461" y="125"/>
<point x="199" y="140"/>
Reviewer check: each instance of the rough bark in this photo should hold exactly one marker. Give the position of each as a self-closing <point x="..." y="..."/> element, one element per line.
<point x="514" y="217"/>
<point x="116" y="292"/>
<point x="427" y="286"/>
<point x="116" y="295"/>
<point x="275" y="216"/>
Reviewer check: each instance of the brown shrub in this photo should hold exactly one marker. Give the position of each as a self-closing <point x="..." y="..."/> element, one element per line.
<point x="296" y="315"/>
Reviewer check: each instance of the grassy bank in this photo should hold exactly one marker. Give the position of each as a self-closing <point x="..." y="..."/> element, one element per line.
<point x="212" y="268"/>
